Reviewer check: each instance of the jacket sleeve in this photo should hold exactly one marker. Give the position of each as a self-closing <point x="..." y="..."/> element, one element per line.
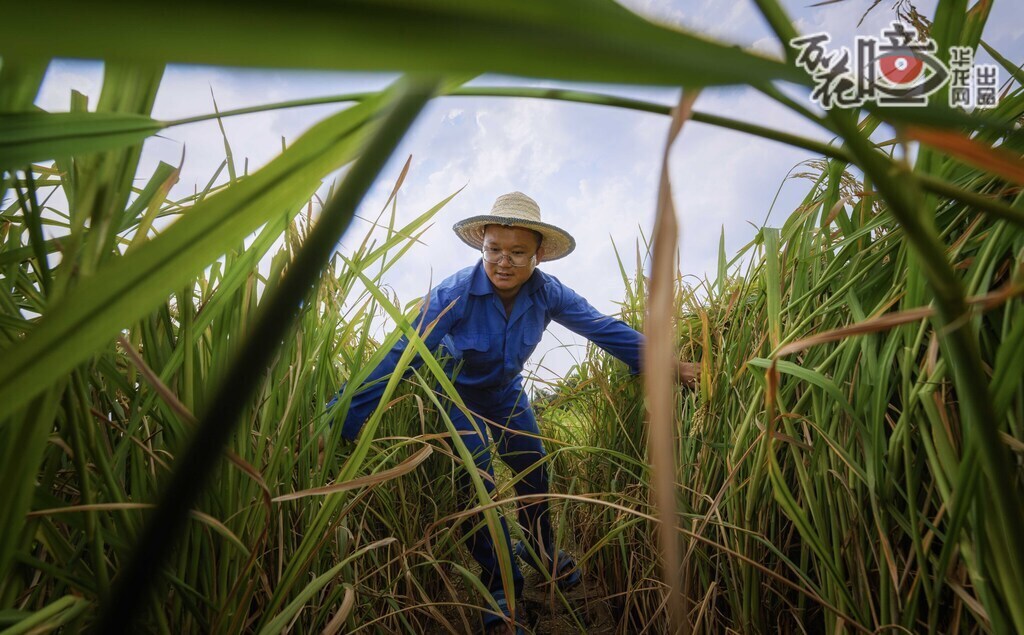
<point x="368" y="395"/>
<point x="614" y="336"/>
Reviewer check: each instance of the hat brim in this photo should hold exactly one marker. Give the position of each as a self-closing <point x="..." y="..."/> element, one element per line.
<point x="557" y="242"/>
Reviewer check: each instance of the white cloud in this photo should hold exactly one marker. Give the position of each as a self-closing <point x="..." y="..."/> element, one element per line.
<point x="62" y="77"/>
<point x="454" y="115"/>
<point x="593" y="170"/>
<point x="735" y="23"/>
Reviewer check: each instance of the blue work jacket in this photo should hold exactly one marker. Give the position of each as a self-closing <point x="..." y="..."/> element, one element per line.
<point x="491" y="347"/>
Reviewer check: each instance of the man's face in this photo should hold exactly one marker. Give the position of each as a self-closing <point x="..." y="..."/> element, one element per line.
<point x="514" y="241"/>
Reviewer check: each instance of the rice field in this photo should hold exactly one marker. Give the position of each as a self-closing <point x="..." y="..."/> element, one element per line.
<point x="850" y="462"/>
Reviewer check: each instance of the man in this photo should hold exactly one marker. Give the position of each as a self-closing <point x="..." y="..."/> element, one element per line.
<point x="490" y="317"/>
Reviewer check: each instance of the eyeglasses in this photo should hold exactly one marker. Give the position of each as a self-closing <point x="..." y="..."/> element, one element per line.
<point x="495" y="256"/>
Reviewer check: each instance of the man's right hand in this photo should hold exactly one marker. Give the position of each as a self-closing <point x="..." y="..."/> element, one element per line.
<point x="688" y="374"/>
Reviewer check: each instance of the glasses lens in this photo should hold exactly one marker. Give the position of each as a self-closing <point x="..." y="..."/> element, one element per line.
<point x="496" y="256"/>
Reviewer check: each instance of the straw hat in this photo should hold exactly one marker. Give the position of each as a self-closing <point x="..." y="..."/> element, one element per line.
<point x="516" y="210"/>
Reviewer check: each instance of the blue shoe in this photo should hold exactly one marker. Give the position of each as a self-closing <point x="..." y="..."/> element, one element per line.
<point x="568" y="575"/>
<point x="501" y="624"/>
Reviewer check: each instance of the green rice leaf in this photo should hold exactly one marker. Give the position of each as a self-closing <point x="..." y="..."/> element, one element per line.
<point x="127" y="288"/>
<point x="36" y="136"/>
<point x="583" y="40"/>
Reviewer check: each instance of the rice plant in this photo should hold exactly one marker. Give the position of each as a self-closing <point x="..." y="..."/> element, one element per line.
<point x="818" y="474"/>
<point x="850" y="462"/>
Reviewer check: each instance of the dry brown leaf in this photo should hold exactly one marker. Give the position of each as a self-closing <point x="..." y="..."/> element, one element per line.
<point x="659" y="373"/>
<point x="404" y="467"/>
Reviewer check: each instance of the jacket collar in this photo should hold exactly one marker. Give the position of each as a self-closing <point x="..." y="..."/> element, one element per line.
<point x="479" y="284"/>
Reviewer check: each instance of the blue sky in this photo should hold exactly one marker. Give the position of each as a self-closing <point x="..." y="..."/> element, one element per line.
<point x="593" y="170"/>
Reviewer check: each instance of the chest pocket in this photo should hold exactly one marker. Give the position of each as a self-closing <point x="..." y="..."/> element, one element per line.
<point x="474" y="348"/>
<point x="533" y="331"/>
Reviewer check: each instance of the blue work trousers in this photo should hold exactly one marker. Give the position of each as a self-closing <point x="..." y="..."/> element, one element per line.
<point x="506" y="412"/>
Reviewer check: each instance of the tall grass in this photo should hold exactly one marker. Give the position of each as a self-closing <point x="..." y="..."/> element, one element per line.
<point x="826" y="481"/>
<point x="130" y="414"/>
<point x="851" y="460"/>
